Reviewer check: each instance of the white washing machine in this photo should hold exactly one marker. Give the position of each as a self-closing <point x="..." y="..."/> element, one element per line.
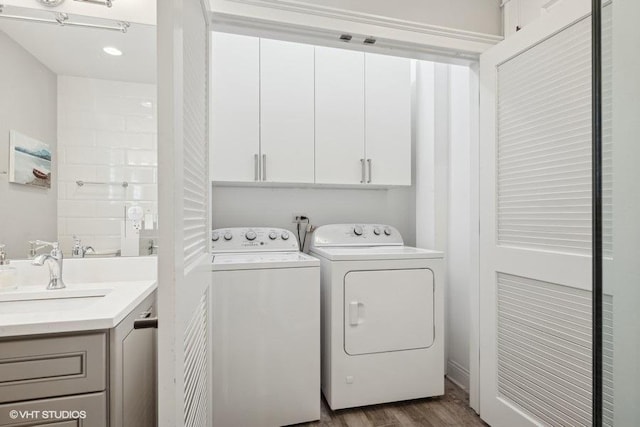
<point x="265" y="329"/>
<point x="382" y="316"/>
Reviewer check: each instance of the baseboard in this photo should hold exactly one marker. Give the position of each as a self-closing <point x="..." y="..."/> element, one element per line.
<point x="458" y="374"/>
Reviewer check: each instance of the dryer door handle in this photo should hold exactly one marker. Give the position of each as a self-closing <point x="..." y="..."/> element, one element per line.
<point x="354" y="315"/>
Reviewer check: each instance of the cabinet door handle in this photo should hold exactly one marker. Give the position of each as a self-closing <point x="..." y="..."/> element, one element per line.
<point x="256" y="167"/>
<point x="370" y="170"/>
<point x="264" y="167"/>
<point x="146" y="323"/>
<point x="362" y="171"/>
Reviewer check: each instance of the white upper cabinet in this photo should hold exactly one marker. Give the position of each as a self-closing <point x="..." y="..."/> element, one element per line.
<point x="287" y="111"/>
<point x="235" y="108"/>
<point x="339" y="124"/>
<point x="388" y="119"/>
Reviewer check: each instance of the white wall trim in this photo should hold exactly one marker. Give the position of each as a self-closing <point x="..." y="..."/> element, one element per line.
<point x="457" y="374"/>
<point x="301" y="22"/>
<point x="474" y="267"/>
<point x="377" y="20"/>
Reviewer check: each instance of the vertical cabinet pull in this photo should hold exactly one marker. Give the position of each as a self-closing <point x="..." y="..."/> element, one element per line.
<point x="256" y="167"/>
<point x="370" y="170"/>
<point x="264" y="167"/>
<point x="362" y="171"/>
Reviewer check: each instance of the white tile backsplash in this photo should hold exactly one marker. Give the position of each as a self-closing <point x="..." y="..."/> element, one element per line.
<point x="142" y="157"/>
<point x="107" y="132"/>
<point x="146" y="123"/>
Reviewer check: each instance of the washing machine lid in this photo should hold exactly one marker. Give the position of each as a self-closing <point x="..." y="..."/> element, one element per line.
<point x="262" y="261"/>
<point x="366" y="253"/>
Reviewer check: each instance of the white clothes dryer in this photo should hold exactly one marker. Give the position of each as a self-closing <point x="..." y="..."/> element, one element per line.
<point x="265" y="322"/>
<point x="382" y="309"/>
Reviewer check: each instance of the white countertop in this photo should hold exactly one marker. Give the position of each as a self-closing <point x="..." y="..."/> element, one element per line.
<point x="101" y="312"/>
<point x="99" y="294"/>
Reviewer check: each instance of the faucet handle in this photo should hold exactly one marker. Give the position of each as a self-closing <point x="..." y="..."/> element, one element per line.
<point x="36" y="245"/>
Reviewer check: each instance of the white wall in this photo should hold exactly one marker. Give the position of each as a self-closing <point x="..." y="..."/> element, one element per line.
<point x="275" y="207"/>
<point x="27" y="105"/>
<point x="623" y="274"/>
<point x="443" y="196"/>
<point x="107" y="132"/>
<point x="459" y="222"/>
<point x="480" y="16"/>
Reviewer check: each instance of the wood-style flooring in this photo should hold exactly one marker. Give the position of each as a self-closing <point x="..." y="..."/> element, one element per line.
<point x="452" y="409"/>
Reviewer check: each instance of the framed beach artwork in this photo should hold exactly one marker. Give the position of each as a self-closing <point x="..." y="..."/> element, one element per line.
<point x="29" y="161"/>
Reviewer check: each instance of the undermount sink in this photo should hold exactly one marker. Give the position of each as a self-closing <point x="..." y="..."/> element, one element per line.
<point x="50" y="300"/>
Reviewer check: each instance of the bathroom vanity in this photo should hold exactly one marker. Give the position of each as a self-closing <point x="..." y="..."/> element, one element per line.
<point x="72" y="357"/>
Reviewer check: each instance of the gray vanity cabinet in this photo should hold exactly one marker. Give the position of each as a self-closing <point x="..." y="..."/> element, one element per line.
<point x="84" y="379"/>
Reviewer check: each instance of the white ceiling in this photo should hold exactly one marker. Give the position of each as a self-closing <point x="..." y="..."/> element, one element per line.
<point x="77" y="51"/>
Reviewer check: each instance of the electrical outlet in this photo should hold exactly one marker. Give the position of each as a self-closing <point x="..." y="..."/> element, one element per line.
<point x="297" y="218"/>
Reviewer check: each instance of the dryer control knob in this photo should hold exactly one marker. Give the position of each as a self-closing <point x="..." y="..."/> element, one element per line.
<point x="215" y="237"/>
<point x="357" y="230"/>
<point x="250" y="235"/>
<point x="273" y="235"/>
<point x="387" y="231"/>
<point x="376" y="231"/>
<point x="228" y="236"/>
<point x="285" y="235"/>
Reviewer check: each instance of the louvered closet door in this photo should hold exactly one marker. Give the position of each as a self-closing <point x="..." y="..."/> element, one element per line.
<point x="535" y="230"/>
<point x="183" y="173"/>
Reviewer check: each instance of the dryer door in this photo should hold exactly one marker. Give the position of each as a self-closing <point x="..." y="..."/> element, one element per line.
<point x="388" y="310"/>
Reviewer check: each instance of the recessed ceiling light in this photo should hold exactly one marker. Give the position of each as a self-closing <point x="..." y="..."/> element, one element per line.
<point x="112" y="51"/>
<point x="146" y="104"/>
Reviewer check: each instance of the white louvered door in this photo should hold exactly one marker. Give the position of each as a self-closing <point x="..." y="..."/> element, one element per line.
<point x="535" y="229"/>
<point x="183" y="181"/>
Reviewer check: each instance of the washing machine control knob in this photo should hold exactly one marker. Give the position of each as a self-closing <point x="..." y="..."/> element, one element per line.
<point x="228" y="236"/>
<point x="387" y="231"/>
<point x="376" y="231"/>
<point x="215" y="237"/>
<point x="285" y="235"/>
<point x="250" y="235"/>
<point x="273" y="235"/>
<point x="357" y="230"/>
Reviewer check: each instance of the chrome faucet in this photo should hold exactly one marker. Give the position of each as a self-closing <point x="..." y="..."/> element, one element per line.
<point x="54" y="261"/>
<point x="78" y="250"/>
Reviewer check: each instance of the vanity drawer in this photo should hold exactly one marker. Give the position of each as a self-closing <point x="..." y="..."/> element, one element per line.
<point x="52" y="366"/>
<point x="57" y="412"/>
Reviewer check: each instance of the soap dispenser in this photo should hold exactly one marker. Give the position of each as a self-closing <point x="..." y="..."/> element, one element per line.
<point x="8" y="276"/>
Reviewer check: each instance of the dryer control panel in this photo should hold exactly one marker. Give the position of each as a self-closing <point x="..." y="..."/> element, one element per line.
<point x="264" y="239"/>
<point x="356" y="235"/>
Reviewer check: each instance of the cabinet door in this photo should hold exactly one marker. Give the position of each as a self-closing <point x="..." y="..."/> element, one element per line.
<point x="287" y="117"/>
<point x="235" y="107"/>
<point x="133" y="371"/>
<point x="139" y="379"/>
<point x="388" y="119"/>
<point x="339" y="116"/>
<point x="82" y="410"/>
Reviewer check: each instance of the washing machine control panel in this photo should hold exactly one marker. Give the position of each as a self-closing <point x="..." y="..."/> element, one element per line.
<point x="357" y="235"/>
<point x="241" y="239"/>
